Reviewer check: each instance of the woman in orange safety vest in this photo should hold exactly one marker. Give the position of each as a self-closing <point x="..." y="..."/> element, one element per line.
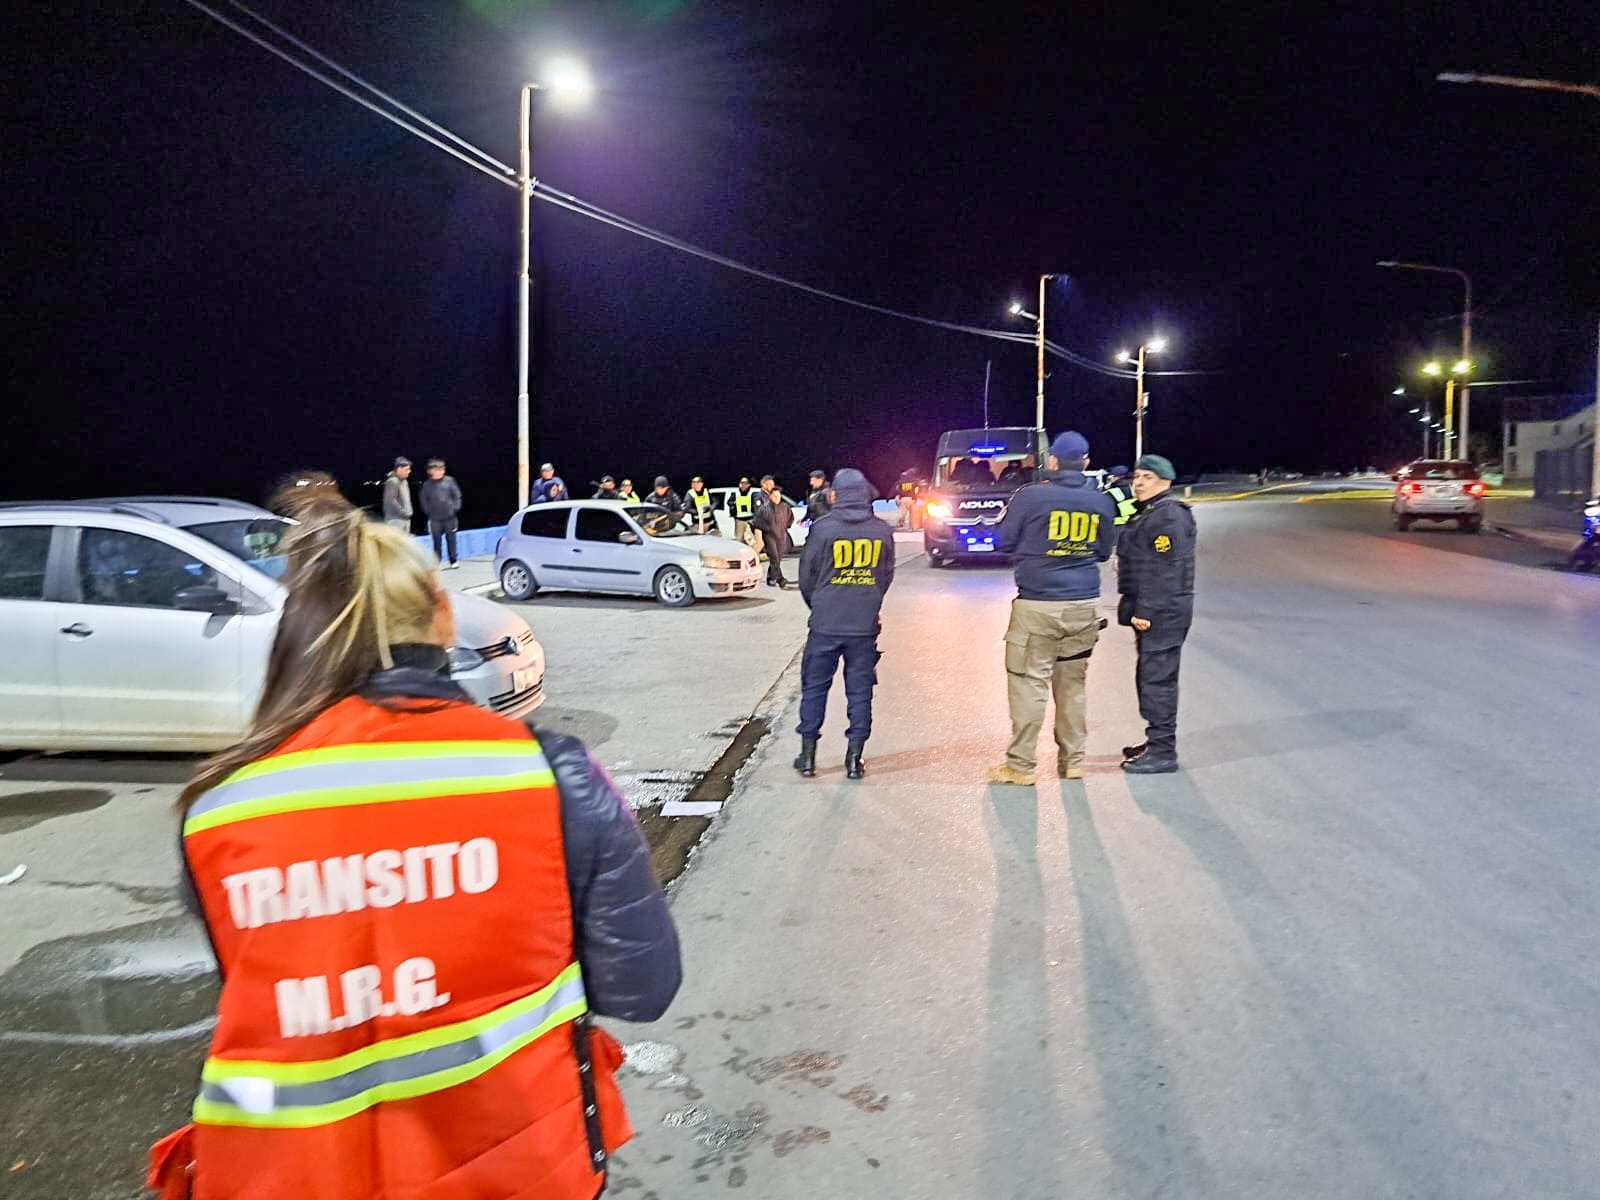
<point x="416" y="905"/>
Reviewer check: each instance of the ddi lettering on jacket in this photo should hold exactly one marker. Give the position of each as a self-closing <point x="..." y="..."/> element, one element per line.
<point x="380" y="879"/>
<point x="856" y="561"/>
<point x="1074" y="533"/>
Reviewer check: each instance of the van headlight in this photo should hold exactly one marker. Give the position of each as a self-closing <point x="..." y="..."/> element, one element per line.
<point x="463" y="658"/>
<point x="715" y="562"/>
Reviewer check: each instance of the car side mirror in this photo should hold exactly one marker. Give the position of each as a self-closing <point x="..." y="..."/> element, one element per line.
<point x="206" y="599"/>
<point x="628" y="537"/>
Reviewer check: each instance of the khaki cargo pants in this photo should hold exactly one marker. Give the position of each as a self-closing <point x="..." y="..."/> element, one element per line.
<point x="1047" y="650"/>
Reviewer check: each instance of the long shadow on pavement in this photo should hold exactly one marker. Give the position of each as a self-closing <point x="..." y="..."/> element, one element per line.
<point x="1024" y="1139"/>
<point x="1151" y="1146"/>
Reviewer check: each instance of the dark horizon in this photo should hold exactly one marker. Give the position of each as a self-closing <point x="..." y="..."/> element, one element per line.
<point x="231" y="271"/>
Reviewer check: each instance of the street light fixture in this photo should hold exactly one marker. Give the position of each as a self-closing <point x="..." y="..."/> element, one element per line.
<point x="568" y="82"/>
<point x="1141" y="398"/>
<point x="1038" y="322"/>
<point x="1461" y="368"/>
<point x="1466" y="328"/>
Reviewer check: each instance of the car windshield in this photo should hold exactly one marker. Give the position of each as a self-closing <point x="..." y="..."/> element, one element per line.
<point x="255" y="540"/>
<point x="1439" y="470"/>
<point x="657" y="521"/>
<point x="970" y="472"/>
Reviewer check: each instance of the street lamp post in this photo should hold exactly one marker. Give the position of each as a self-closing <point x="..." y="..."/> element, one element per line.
<point x="1141" y="398"/>
<point x="1038" y="324"/>
<point x="569" y="80"/>
<point x="1466" y="336"/>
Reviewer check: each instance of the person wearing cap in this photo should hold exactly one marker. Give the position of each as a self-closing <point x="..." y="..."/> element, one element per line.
<point x="701" y="506"/>
<point x="441" y="503"/>
<point x="845" y="571"/>
<point x="664" y="497"/>
<point x="1155" y="582"/>
<point x="607" y="489"/>
<point x="1121" y="493"/>
<point x="626" y="494"/>
<point x="742" y="507"/>
<point x="397" y="510"/>
<point x="817" y="503"/>
<point x="548" y="487"/>
<point x="1057" y="531"/>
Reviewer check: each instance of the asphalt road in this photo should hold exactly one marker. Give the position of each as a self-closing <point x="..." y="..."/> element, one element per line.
<point x="1350" y="951"/>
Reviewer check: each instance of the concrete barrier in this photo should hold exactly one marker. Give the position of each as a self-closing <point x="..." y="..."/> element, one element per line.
<point x="470" y="543"/>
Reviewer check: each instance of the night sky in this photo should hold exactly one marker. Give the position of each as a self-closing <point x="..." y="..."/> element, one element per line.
<point x="221" y="270"/>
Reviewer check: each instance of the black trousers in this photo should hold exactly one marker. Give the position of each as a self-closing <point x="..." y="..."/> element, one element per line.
<point x="776" y="546"/>
<point x="1157" y="679"/>
<point x="817" y="667"/>
<point x="444" y="531"/>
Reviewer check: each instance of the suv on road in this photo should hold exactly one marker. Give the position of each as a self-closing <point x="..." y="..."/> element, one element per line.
<point x="145" y="624"/>
<point x="1439" y="490"/>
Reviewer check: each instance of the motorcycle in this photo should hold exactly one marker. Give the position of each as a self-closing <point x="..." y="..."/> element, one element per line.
<point x="1585" y="555"/>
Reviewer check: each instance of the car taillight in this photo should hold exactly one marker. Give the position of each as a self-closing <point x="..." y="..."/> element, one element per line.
<point x="1410" y="489"/>
<point x="1475" y="488"/>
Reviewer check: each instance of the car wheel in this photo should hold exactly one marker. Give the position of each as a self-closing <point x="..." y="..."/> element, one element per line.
<point x="517" y="581"/>
<point x="1471" y="524"/>
<point x="672" y="587"/>
<point x="937" y="563"/>
<point x="1402" y="522"/>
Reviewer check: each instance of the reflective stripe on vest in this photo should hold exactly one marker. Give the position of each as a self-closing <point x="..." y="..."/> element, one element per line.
<point x="368" y="773"/>
<point x="744" y="504"/>
<point x="295" y="1095"/>
<point x="701" y="500"/>
<point x="1126" y="504"/>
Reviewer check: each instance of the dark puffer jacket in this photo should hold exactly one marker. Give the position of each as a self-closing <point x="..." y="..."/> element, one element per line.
<point x="623" y="933"/>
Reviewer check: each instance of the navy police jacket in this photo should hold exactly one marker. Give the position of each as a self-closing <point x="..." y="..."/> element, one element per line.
<point x="1059" y="531"/>
<point x="845" y="568"/>
<point x="1155" y="570"/>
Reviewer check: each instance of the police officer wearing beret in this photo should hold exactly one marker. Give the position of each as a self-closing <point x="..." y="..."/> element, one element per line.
<point x="1058" y="531"/>
<point x="1155" y="579"/>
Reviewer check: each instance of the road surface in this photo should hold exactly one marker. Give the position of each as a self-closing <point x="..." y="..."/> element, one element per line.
<point x="1349" y="952"/>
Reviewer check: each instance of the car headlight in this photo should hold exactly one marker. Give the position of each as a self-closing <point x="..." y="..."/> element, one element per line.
<point x="715" y="562"/>
<point x="463" y="658"/>
<point x="938" y="510"/>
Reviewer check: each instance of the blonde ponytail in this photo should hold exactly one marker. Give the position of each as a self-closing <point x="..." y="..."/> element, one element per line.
<point x="357" y="588"/>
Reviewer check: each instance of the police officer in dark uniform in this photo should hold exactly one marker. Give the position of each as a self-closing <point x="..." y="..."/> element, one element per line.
<point x="1121" y="493"/>
<point x="817" y="503"/>
<point x="846" y="568"/>
<point x="1058" y="531"/>
<point x="1155" y="577"/>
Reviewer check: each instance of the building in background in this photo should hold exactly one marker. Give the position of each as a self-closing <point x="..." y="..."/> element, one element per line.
<point x="1549" y="441"/>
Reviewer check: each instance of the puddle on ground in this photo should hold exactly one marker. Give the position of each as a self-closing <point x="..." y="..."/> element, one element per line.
<point x="23" y="810"/>
<point x="144" y="982"/>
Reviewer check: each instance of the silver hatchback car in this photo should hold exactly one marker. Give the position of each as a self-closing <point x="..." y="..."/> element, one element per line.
<point x="1439" y="490"/>
<point x="145" y="624"/>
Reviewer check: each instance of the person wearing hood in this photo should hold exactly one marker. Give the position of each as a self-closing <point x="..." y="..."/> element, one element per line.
<point x="846" y="568"/>
<point x="664" y="497"/>
<point x="1057" y="531"/>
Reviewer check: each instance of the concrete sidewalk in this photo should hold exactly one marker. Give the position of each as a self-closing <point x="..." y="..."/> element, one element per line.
<point x="1555" y="527"/>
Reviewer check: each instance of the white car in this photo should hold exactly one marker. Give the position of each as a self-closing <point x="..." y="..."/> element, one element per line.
<point x="145" y="624"/>
<point x="1439" y="490"/>
<point x="604" y="546"/>
<point x="797" y="531"/>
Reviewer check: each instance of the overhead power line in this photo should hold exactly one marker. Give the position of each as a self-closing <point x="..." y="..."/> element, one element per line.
<point x="459" y="148"/>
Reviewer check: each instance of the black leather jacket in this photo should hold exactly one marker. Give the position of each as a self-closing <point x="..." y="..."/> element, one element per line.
<point x="623" y="933"/>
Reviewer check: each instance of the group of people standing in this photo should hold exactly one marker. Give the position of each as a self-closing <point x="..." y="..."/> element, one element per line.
<point x="441" y="504"/>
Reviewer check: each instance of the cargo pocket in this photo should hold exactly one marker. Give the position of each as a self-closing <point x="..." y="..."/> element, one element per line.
<point x="1031" y="655"/>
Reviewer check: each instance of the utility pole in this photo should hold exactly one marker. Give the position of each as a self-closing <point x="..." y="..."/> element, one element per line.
<point x="524" y="284"/>
<point x="987" y="367"/>
<point x="1038" y="407"/>
<point x="1139" y="405"/>
<point x="1466" y="336"/>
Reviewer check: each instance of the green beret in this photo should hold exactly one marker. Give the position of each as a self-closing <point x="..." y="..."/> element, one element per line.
<point x="1156" y="465"/>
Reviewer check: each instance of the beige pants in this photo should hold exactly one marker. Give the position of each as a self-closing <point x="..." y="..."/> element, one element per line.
<point x="1047" y="650"/>
<point x="744" y="532"/>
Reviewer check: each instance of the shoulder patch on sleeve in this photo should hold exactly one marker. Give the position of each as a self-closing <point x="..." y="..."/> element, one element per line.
<point x="1163" y="543"/>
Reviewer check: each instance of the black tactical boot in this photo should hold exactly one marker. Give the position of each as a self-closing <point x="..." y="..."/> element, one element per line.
<point x="1134" y="751"/>
<point x="853" y="766"/>
<point x="806" y="761"/>
<point x="1156" y="760"/>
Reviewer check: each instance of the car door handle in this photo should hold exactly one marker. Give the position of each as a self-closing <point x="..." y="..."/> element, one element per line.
<point x="77" y="629"/>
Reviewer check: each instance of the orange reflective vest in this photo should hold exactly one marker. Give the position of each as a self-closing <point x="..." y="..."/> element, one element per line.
<point x="402" y="1013"/>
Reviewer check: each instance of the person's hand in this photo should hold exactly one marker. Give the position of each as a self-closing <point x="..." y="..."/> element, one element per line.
<point x="1141" y="624"/>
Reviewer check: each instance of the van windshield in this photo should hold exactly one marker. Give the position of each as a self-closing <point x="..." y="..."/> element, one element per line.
<point x="972" y="472"/>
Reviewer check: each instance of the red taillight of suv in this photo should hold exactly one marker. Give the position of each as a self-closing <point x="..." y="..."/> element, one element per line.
<point x="1411" y="489"/>
<point x="1475" y="488"/>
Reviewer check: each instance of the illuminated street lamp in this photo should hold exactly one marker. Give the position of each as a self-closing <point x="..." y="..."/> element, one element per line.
<point x="1462" y="368"/>
<point x="1141" y="398"/>
<point x="1038" y="324"/>
<point x="568" y="83"/>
